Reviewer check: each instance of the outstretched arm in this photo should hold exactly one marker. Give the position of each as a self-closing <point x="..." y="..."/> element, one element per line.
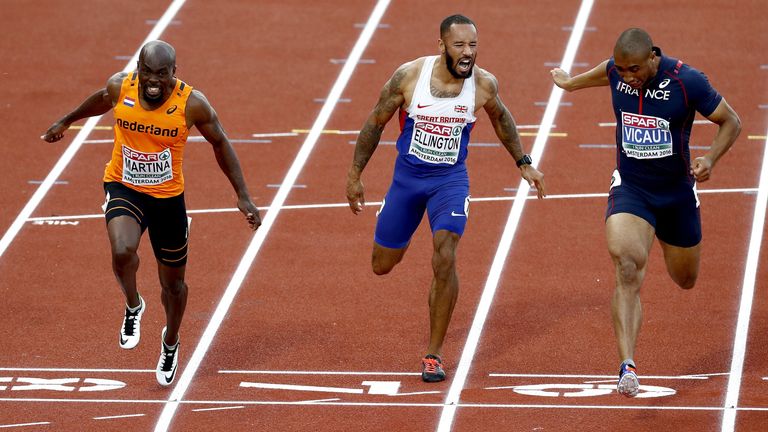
<point x="390" y="100"/>
<point x="595" y="77"/>
<point x="730" y="127"/>
<point x="96" y="104"/>
<point x="504" y="126"/>
<point x="201" y="114"/>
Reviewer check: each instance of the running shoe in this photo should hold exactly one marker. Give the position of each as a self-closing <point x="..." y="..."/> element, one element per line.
<point x="628" y="382"/>
<point x="130" y="332"/>
<point x="168" y="363"/>
<point x="432" y="369"/>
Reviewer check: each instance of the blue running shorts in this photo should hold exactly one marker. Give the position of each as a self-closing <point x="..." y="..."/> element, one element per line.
<point x="673" y="210"/>
<point x="445" y="197"/>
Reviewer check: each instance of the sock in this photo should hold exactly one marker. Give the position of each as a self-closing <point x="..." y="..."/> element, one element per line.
<point x="171" y="347"/>
<point x="133" y="310"/>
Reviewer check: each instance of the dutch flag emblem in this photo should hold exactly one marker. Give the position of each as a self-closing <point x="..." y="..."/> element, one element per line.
<point x="129" y="102"/>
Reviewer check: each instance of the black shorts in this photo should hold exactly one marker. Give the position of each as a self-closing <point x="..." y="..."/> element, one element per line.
<point x="673" y="212"/>
<point x="166" y="219"/>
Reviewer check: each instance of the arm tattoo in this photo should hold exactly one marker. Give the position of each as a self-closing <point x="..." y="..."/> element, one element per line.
<point x="367" y="142"/>
<point x="508" y="135"/>
<point x="369" y="136"/>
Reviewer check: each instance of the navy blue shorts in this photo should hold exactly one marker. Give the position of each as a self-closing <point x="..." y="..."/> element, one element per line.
<point x="444" y="196"/>
<point x="166" y="219"/>
<point x="673" y="211"/>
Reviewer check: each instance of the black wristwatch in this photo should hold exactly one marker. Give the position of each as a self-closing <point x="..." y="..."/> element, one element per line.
<point x="525" y="160"/>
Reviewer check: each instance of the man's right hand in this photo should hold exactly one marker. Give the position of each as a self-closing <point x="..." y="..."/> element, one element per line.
<point x="560" y="77"/>
<point x="55" y="132"/>
<point x="355" y="191"/>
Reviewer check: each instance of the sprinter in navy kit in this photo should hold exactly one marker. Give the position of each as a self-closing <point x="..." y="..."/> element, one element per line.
<point x="653" y="189"/>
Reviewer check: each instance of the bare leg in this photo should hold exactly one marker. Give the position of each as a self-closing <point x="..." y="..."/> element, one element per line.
<point x="629" y="243"/>
<point x="444" y="290"/>
<point x="384" y="259"/>
<point x="682" y="264"/>
<point x="174" y="297"/>
<point x="124" y="236"/>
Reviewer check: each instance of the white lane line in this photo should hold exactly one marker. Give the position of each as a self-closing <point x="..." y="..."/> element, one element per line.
<point x="119" y="416"/>
<point x="747" y="294"/>
<point x="218" y="408"/>
<point x="612" y="377"/>
<point x="276" y="134"/>
<point x="287" y="372"/>
<point x="314" y="401"/>
<point x="81" y="136"/>
<point x="377" y="203"/>
<point x="12" y="369"/>
<point x="274" y="209"/>
<point x="24" y="424"/>
<point x="468" y="354"/>
<point x="301" y="388"/>
<point x="330" y="403"/>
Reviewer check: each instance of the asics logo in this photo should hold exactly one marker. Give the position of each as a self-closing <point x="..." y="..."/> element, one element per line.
<point x="664" y="83"/>
<point x="171" y="110"/>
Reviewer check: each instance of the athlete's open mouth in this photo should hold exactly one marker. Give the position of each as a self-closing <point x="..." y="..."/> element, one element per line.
<point x="152" y="91"/>
<point x="464" y="65"/>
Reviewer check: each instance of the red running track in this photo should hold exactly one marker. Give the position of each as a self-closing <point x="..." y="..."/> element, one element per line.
<point x="309" y="302"/>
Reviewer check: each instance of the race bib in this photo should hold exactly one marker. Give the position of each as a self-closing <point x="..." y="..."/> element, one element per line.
<point x="144" y="169"/>
<point x="436" y="143"/>
<point x="645" y="137"/>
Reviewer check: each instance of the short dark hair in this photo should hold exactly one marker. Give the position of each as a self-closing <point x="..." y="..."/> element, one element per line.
<point x="454" y="19"/>
<point x="634" y="41"/>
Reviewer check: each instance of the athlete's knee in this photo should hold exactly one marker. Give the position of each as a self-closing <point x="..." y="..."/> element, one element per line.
<point x="686" y="280"/>
<point x="174" y="287"/>
<point x="383" y="260"/>
<point x="123" y="255"/>
<point x="444" y="262"/>
<point x="628" y="269"/>
<point x="380" y="267"/>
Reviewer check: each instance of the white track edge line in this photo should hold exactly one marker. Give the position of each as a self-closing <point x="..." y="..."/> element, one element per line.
<point x="238" y="277"/>
<point x="468" y="353"/>
<point x="747" y="295"/>
<point x="377" y="203"/>
<point x="387" y="404"/>
<point x="81" y="136"/>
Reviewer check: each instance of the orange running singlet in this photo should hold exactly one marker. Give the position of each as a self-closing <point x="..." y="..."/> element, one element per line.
<point x="149" y="145"/>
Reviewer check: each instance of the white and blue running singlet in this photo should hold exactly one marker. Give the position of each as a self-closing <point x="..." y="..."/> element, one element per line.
<point x="430" y="173"/>
<point x="434" y="132"/>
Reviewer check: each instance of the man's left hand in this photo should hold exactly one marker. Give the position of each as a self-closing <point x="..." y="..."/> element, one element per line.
<point x="535" y="179"/>
<point x="701" y="168"/>
<point x="248" y="208"/>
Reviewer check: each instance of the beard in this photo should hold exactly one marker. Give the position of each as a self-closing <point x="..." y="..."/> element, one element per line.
<point x="449" y="63"/>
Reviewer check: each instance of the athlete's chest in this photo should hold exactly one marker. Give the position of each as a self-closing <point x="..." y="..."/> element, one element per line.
<point x="665" y="98"/>
<point x="164" y="125"/>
